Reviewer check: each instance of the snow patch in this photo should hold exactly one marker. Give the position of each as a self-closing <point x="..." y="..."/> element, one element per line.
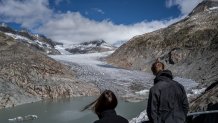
<point x="25" y="118"/>
<point x="142" y="117"/>
<point x="24" y="39"/>
<point x="213" y="8"/>
<point x="62" y="50"/>
<point x="142" y="92"/>
<point x="196" y="92"/>
<point x="17" y="36"/>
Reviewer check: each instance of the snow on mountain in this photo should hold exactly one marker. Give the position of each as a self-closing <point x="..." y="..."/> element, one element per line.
<point x="213" y="8"/>
<point x="35" y="41"/>
<point x="62" y="50"/>
<point x="24" y="39"/>
<point x="90" y="47"/>
<point x="42" y="43"/>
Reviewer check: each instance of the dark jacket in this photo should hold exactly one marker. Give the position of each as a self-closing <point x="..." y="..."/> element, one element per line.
<point x="167" y="101"/>
<point x="110" y="116"/>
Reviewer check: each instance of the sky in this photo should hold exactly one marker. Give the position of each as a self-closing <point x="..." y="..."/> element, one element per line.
<point x="75" y="21"/>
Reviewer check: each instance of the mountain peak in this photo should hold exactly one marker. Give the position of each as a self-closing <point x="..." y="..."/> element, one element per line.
<point x="93" y="46"/>
<point x="205" y="5"/>
<point x="94" y="42"/>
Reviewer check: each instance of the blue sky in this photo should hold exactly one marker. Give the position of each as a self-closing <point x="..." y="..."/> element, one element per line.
<point x="73" y="21"/>
<point x="119" y="11"/>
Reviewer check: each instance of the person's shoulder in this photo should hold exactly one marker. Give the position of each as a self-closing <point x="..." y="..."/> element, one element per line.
<point x="116" y="119"/>
<point x="122" y="119"/>
<point x="161" y="84"/>
<point x="178" y="84"/>
<point x="154" y="88"/>
<point x="97" y="121"/>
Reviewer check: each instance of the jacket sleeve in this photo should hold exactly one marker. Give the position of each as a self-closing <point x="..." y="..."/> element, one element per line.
<point x="152" y="107"/>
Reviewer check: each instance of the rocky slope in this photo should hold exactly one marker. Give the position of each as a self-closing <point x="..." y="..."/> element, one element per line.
<point x="207" y="100"/>
<point x="27" y="75"/>
<point x="90" y="47"/>
<point x="188" y="47"/>
<point x="35" y="41"/>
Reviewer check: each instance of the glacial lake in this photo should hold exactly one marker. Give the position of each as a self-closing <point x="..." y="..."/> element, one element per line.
<point x="67" y="111"/>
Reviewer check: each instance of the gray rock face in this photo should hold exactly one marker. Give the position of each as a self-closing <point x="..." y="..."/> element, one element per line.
<point x="177" y="55"/>
<point x="189" y="47"/>
<point x="27" y="75"/>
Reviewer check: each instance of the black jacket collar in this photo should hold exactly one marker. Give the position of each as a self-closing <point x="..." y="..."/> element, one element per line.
<point x="108" y="113"/>
<point x="163" y="75"/>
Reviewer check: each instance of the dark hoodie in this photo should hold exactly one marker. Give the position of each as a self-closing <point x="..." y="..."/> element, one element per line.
<point x="167" y="101"/>
<point x="110" y="116"/>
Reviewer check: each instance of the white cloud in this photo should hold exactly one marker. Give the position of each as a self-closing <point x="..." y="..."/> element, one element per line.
<point x="86" y="12"/>
<point x="58" y="2"/>
<point x="72" y="27"/>
<point x="185" y="6"/>
<point x="29" y="13"/>
<point x="98" y="10"/>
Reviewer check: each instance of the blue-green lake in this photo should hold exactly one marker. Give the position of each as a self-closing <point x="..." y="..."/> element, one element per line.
<point x="67" y="111"/>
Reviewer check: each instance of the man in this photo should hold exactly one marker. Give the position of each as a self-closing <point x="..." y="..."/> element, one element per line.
<point x="167" y="101"/>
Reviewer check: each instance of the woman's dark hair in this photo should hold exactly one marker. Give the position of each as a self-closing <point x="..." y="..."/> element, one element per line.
<point x="106" y="101"/>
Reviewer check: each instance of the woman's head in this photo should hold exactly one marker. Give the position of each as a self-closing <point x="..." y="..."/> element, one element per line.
<point x="106" y="101"/>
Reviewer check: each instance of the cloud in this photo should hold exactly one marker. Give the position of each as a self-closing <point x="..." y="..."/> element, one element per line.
<point x="98" y="10"/>
<point x="72" y="27"/>
<point x="58" y="2"/>
<point x="86" y="12"/>
<point x="185" y="6"/>
<point x="29" y="13"/>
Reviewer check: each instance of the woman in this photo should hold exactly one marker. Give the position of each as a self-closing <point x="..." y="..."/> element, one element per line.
<point x="104" y="107"/>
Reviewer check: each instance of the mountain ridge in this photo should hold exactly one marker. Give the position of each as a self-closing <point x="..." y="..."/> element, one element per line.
<point x="94" y="46"/>
<point x="36" y="41"/>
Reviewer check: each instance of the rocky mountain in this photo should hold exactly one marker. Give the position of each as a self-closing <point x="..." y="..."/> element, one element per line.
<point x="90" y="47"/>
<point x="189" y="47"/>
<point x="35" y="41"/>
<point x="28" y="75"/>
